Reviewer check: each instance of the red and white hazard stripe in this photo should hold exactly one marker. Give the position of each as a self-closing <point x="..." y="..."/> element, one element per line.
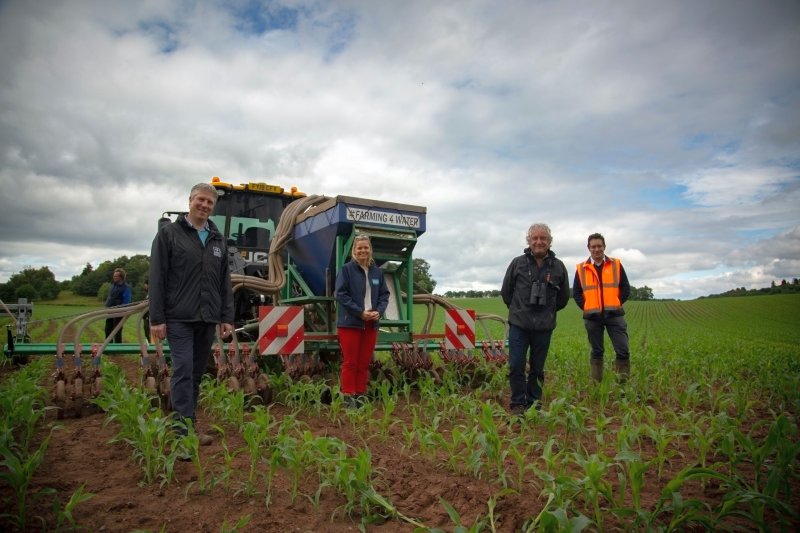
<point x="280" y="330"/>
<point x="459" y="329"/>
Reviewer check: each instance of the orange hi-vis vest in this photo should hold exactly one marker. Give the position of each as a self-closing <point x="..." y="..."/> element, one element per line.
<point x="600" y="295"/>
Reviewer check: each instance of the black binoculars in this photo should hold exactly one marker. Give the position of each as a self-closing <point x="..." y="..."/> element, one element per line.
<point x="538" y="293"/>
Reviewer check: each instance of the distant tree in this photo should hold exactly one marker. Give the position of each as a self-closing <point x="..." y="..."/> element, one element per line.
<point x="90" y="283"/>
<point x="6" y="292"/>
<point x="642" y="294"/>
<point x="32" y="283"/>
<point x="26" y="291"/>
<point x="423" y="283"/>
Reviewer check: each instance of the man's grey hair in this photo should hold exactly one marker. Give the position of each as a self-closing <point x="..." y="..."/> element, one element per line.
<point x="203" y="187"/>
<point x="539" y="226"/>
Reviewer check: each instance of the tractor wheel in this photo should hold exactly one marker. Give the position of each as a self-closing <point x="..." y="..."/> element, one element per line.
<point x="233" y="384"/>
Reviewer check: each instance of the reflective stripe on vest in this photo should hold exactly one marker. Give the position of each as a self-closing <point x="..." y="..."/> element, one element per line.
<point x="600" y="295"/>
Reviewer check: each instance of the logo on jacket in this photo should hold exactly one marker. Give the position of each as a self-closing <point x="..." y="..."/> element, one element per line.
<point x="217" y="251"/>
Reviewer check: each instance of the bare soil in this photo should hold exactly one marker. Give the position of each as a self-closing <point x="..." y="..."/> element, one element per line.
<point x="80" y="454"/>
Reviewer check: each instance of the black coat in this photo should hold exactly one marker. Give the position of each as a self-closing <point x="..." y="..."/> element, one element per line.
<point x="189" y="282"/>
<point x="516" y="291"/>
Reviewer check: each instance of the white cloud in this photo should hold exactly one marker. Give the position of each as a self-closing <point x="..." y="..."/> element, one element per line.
<point x="670" y="128"/>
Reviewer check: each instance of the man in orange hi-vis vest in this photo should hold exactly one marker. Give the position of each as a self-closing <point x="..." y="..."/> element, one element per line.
<point x="600" y="289"/>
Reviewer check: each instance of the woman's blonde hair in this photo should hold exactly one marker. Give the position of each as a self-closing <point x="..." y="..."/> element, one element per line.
<point x="362" y="237"/>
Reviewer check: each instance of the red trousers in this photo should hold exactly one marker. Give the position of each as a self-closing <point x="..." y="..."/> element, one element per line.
<point x="358" y="346"/>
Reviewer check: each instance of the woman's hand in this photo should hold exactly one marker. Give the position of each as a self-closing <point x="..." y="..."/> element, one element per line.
<point x="370" y="315"/>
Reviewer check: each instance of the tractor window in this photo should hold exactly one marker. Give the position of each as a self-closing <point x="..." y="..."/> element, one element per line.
<point x="248" y="219"/>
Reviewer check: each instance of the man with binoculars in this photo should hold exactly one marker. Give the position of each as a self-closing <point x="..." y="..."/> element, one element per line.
<point x="535" y="287"/>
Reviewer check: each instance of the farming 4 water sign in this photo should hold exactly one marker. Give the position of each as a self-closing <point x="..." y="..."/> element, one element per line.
<point x="375" y="216"/>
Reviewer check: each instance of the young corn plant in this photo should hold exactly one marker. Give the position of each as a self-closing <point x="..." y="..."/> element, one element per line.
<point x="632" y="475"/>
<point x="476" y="527"/>
<point x="662" y="438"/>
<point x="23" y="404"/>
<point x="491" y="443"/>
<point x="140" y="426"/>
<point x="16" y="470"/>
<point x="150" y="439"/>
<point x="305" y="395"/>
<point x="256" y="433"/>
<point x="64" y="518"/>
<point x="222" y="403"/>
<point x="594" y="469"/>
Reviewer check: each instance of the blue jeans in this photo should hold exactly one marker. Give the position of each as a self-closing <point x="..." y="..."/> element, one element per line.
<point x="520" y="341"/>
<point x="190" y="346"/>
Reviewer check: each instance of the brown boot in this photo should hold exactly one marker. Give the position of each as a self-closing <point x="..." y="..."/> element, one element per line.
<point x="623" y="367"/>
<point x="596" y="367"/>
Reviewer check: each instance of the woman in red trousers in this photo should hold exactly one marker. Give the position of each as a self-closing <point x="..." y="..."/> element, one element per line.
<point x="363" y="297"/>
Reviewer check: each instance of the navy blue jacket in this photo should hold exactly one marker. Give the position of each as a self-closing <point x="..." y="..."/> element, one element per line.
<point x="349" y="292"/>
<point x="189" y="282"/>
<point x="119" y="294"/>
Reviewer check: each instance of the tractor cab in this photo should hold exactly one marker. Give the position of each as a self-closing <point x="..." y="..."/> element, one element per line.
<point x="247" y="215"/>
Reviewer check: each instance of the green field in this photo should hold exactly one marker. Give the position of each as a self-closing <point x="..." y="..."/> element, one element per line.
<point x="703" y="437"/>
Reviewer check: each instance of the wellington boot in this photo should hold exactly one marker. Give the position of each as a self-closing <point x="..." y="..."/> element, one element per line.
<point x="597" y="370"/>
<point x="623" y="367"/>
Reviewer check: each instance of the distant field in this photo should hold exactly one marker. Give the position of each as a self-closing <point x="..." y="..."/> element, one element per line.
<point x="718" y="324"/>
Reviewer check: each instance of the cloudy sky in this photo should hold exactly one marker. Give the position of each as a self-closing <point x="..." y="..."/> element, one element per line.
<point x="671" y="127"/>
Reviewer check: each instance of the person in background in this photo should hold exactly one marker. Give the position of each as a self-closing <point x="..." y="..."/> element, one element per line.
<point x="600" y="289"/>
<point x="190" y="294"/>
<point x="363" y="297"/>
<point x="118" y="294"/>
<point x="535" y="288"/>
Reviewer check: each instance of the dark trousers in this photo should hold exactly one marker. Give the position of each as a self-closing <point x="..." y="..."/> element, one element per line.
<point x="146" y="326"/>
<point x="617" y="330"/>
<point x="521" y="344"/>
<point x="189" y="346"/>
<point x="111" y="323"/>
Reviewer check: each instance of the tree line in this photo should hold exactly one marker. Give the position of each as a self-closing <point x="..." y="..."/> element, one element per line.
<point x="40" y="283"/>
<point x="637" y="293"/>
<point x="784" y="287"/>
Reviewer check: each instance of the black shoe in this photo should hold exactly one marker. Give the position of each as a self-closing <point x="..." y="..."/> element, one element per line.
<point x="350" y="402"/>
<point x="517" y="410"/>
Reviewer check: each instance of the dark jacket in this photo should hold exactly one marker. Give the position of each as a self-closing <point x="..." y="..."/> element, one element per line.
<point x="624" y="292"/>
<point x="119" y="294"/>
<point x="350" y="290"/>
<point x="189" y="282"/>
<point x="516" y="291"/>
